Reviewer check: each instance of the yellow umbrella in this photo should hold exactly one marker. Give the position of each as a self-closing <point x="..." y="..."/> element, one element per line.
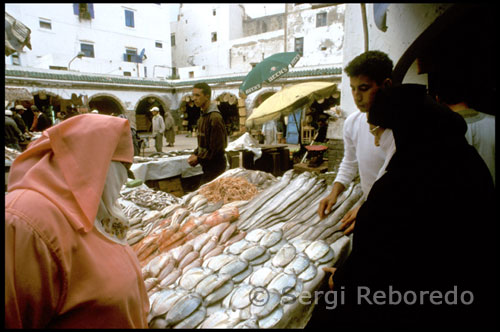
<point x="289" y="99"/>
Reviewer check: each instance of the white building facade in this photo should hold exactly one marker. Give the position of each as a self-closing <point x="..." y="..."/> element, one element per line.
<point x="111" y="37"/>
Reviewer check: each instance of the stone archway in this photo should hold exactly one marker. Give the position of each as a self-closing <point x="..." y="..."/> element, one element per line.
<point x="227" y="103"/>
<point x="107" y="103"/>
<point x="47" y="101"/>
<point x="142" y="112"/>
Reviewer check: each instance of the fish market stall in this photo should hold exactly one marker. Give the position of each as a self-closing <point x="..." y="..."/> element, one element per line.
<point x="237" y="252"/>
<point x="163" y="167"/>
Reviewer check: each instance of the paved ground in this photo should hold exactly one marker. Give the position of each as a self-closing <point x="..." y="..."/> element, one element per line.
<point x="181" y="143"/>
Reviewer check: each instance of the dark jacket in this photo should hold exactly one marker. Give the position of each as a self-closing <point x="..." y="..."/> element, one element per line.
<point x="12" y="133"/>
<point x="44" y="122"/>
<point x="427" y="223"/>
<point x="212" y="139"/>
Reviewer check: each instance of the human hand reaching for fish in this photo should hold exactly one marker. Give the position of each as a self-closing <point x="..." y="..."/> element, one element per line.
<point x="325" y="205"/>
<point x="349" y="220"/>
<point x="332" y="271"/>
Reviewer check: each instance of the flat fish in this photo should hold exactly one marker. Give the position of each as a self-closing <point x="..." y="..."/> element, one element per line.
<point x="196" y="263"/>
<point x="158" y="323"/>
<point x="165" y="301"/>
<point x="170" y="278"/>
<point x="274" y="249"/>
<point x="183" y="308"/>
<point x="327" y="258"/>
<point x="264" y="304"/>
<point x="200" y="241"/>
<point x="261" y="259"/>
<point x="188" y="259"/>
<point x="150" y="283"/>
<point x="192" y="320"/>
<point x="252" y="253"/>
<point x="284" y="255"/>
<point x="240" y="299"/>
<point x="228" y="232"/>
<point x="217" y="262"/>
<point x="317" y="249"/>
<point x="211" y="283"/>
<point x="298" y="264"/>
<point x="234" y="267"/>
<point x="235" y="238"/>
<point x="256" y="234"/>
<point x="242" y="275"/>
<point x="271" y="238"/>
<point x="309" y="273"/>
<point x="193" y="277"/>
<point x="263" y="276"/>
<point x="300" y="244"/>
<point x="283" y="283"/>
<point x="272" y="319"/>
<point x="212" y="243"/>
<point x="217" y="230"/>
<point x="169" y="266"/>
<point x="238" y="247"/>
<point x="219" y="293"/>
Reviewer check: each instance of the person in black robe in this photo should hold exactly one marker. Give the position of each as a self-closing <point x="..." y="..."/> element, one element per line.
<point x="425" y="234"/>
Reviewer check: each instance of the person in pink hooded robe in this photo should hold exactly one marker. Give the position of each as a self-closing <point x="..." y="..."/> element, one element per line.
<point x="67" y="262"/>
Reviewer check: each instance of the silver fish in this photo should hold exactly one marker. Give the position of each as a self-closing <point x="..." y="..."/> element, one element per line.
<point x="200" y="241"/>
<point x="209" y="246"/>
<point x="309" y="273"/>
<point x="192" y="320"/>
<point x="274" y="249"/>
<point x="190" y="257"/>
<point x="264" y="304"/>
<point x="183" y="308"/>
<point x="219" y="293"/>
<point x="196" y="263"/>
<point x="256" y="234"/>
<point x="298" y="264"/>
<point x="235" y="238"/>
<point x="261" y="259"/>
<point x="241" y="297"/>
<point x="170" y="278"/>
<point x="228" y="232"/>
<point x="271" y="238"/>
<point x="214" y="252"/>
<point x="193" y="277"/>
<point x="165" y="301"/>
<point x="300" y="244"/>
<point x="327" y="258"/>
<point x="150" y="283"/>
<point x="211" y="283"/>
<point x="283" y="282"/>
<point x="272" y="320"/>
<point x="221" y="319"/>
<point x="217" y="230"/>
<point x="317" y="249"/>
<point x="284" y="255"/>
<point x="242" y="275"/>
<point x="238" y="247"/>
<point x="167" y="269"/>
<point x="234" y="267"/>
<point x="252" y="253"/>
<point x="182" y="252"/>
<point x="247" y="324"/>
<point x="216" y="262"/>
<point x="158" y="323"/>
<point x="263" y="276"/>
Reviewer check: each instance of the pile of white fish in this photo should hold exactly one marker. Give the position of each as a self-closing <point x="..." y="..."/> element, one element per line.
<point x="200" y="268"/>
<point x="150" y="198"/>
<point x="253" y="283"/>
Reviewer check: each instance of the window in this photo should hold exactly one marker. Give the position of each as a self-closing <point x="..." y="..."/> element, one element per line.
<point x="214" y="37"/>
<point x="214" y="12"/>
<point x="130" y="55"/>
<point x="45" y="24"/>
<point x="320" y="20"/>
<point x="127" y="73"/>
<point x="191" y="74"/>
<point x="15" y="60"/>
<point x="145" y="71"/>
<point x="172" y="39"/>
<point x="129" y="18"/>
<point x="84" y="10"/>
<point x="299" y="45"/>
<point x="159" y="44"/>
<point x="88" y="49"/>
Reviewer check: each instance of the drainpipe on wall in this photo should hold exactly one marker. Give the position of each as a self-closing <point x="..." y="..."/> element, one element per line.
<point x="365" y="25"/>
<point x="286" y="25"/>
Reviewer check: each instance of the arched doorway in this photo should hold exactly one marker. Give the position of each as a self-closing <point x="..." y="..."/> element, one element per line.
<point x="227" y="103"/>
<point x="143" y="115"/>
<point x="106" y="104"/>
<point x="47" y="102"/>
<point x="189" y="114"/>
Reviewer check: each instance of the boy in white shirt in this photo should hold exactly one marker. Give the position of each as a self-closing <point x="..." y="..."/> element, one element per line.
<point x="367" y="73"/>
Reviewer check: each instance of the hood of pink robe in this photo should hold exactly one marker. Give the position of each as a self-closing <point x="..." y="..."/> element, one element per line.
<point x="69" y="162"/>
